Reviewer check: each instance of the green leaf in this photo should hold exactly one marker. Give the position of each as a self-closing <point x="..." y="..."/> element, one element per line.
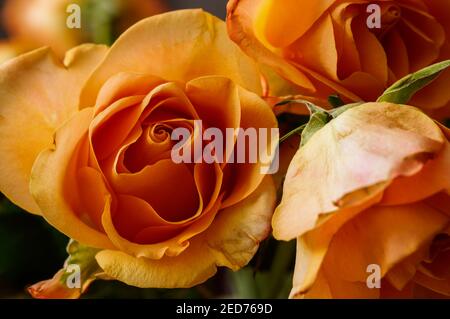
<point x="402" y="91"/>
<point x="319" y="118"/>
<point x="244" y="284"/>
<point x="316" y="122"/>
<point x="99" y="17"/>
<point x="297" y="130"/>
<point x="338" y="111"/>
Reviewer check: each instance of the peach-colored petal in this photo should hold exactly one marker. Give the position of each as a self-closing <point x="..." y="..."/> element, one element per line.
<point x="349" y="155"/>
<point x="230" y="241"/>
<point x="244" y="178"/>
<point x="322" y="55"/>
<point x="177" y="46"/>
<point x="371" y="53"/>
<point x="240" y="19"/>
<point x="38" y="94"/>
<point x="123" y="85"/>
<point x="344" y="289"/>
<point x="384" y="236"/>
<point x="216" y="101"/>
<point x="279" y="21"/>
<point x="319" y="290"/>
<point x="432" y="178"/>
<point x="53" y="182"/>
<point x="173" y="246"/>
<point x="313" y="246"/>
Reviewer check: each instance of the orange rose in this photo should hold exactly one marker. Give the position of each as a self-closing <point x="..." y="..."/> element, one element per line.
<point x="328" y="46"/>
<point x="370" y="191"/>
<point x="107" y="178"/>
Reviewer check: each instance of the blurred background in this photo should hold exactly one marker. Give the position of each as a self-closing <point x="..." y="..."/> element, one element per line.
<point x="30" y="249"/>
<point x="27" y="24"/>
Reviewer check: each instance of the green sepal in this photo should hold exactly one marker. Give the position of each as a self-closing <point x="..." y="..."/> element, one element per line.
<point x="403" y="90"/>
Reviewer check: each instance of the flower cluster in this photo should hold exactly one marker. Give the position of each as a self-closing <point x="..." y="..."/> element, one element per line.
<point x="88" y="142"/>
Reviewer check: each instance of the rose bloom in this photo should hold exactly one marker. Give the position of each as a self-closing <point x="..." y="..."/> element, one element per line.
<point x="43" y="22"/>
<point x="325" y="47"/>
<point x="370" y="189"/>
<point x="87" y="144"/>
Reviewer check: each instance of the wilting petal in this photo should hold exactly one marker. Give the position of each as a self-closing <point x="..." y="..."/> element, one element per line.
<point x="177" y="46"/>
<point x="54" y="289"/>
<point x="432" y="178"/>
<point x="343" y="161"/>
<point x="231" y="241"/>
<point x="234" y="236"/>
<point x="37" y="93"/>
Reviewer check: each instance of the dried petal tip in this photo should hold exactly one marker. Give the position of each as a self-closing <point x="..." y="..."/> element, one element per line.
<point x="54" y="289"/>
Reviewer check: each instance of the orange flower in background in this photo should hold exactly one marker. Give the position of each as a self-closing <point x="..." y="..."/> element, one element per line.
<point x="370" y="189"/>
<point x="107" y="179"/>
<point x="43" y="22"/>
<point x="10" y="49"/>
<point x="327" y="46"/>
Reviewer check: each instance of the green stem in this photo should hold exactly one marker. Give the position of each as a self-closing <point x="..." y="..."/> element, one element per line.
<point x="293" y="132"/>
<point x="244" y="284"/>
<point x="284" y="255"/>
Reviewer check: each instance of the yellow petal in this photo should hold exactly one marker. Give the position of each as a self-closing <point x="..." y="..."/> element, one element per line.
<point x="38" y="94"/>
<point x="280" y="22"/>
<point x="321" y="55"/>
<point x="240" y="20"/>
<point x="343" y="161"/>
<point x="53" y="183"/>
<point x="177" y="46"/>
<point x="231" y="241"/>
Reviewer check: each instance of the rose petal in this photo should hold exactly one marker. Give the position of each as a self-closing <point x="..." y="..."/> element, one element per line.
<point x="349" y="150"/>
<point x="383" y="236"/>
<point x="178" y="46"/>
<point x="279" y="23"/>
<point x="54" y="184"/>
<point x="231" y="241"/>
<point x="38" y="94"/>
